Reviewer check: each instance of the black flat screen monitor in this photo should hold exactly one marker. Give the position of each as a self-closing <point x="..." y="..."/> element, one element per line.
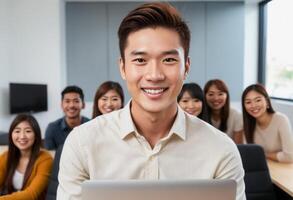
<point x="27" y="97"/>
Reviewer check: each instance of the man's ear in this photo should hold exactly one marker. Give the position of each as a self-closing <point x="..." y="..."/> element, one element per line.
<point x="187" y="67"/>
<point x="83" y="105"/>
<point x="122" y="68"/>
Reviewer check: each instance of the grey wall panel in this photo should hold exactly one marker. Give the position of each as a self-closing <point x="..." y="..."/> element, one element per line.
<point x="194" y="15"/>
<point x="116" y="12"/>
<point x="225" y="45"/>
<point x="86" y="44"/>
<point x="216" y="49"/>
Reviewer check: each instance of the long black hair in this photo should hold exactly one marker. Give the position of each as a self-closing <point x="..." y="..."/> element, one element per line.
<point x="224" y="113"/>
<point x="102" y="90"/>
<point x="195" y="91"/>
<point x="14" y="153"/>
<point x="249" y="121"/>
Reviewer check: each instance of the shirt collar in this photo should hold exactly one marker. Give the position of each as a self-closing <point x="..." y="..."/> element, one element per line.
<point x="64" y="125"/>
<point x="179" y="125"/>
<point x="127" y="125"/>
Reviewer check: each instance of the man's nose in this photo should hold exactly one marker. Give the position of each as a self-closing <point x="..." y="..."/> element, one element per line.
<point x="154" y="72"/>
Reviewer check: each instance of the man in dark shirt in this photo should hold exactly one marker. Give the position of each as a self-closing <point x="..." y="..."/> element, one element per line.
<point x="72" y="104"/>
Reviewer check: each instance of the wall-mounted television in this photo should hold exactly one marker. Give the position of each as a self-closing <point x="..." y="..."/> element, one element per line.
<point x="27" y="97"/>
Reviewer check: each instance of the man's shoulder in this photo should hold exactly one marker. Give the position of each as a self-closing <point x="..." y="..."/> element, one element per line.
<point x="84" y="119"/>
<point x="208" y="134"/>
<point x="56" y="123"/>
<point x="96" y="128"/>
<point x="99" y="123"/>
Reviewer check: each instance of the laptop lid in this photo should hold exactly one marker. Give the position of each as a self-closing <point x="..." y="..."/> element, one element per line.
<point x="159" y="190"/>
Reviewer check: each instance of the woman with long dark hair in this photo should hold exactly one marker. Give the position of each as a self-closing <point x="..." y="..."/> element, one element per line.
<point x="109" y="97"/>
<point x="24" y="168"/>
<point x="264" y="126"/>
<point x="191" y="100"/>
<point x="221" y="115"/>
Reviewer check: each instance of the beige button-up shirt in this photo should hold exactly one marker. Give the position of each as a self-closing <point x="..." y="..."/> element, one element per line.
<point x="109" y="147"/>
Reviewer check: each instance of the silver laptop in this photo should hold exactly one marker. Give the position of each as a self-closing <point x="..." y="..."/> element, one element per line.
<point x="159" y="190"/>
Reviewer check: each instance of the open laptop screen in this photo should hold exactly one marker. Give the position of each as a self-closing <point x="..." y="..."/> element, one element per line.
<point x="159" y="190"/>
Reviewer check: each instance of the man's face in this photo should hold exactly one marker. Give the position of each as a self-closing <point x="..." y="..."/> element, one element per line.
<point x="72" y="105"/>
<point x="154" y="68"/>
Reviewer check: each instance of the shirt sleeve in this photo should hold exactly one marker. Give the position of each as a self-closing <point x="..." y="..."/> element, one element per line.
<point x="38" y="184"/>
<point x="286" y="137"/>
<point x="49" y="138"/>
<point x="231" y="168"/>
<point x="72" y="170"/>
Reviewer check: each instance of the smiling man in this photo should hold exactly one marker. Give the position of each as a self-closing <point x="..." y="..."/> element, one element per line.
<point x="151" y="138"/>
<point x="72" y="103"/>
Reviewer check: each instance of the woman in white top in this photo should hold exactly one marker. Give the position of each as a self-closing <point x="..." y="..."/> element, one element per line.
<point x="221" y="115"/>
<point x="264" y="126"/>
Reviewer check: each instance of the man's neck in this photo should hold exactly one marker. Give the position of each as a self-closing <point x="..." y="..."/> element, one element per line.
<point x="73" y="122"/>
<point x="153" y="126"/>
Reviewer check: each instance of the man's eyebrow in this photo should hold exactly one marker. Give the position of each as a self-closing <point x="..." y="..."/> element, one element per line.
<point x="137" y="53"/>
<point x="171" y="52"/>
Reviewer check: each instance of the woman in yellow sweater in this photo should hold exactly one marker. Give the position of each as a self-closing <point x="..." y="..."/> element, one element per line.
<point x="24" y="168"/>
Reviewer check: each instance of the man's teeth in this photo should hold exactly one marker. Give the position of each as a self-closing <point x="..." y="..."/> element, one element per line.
<point x="153" y="91"/>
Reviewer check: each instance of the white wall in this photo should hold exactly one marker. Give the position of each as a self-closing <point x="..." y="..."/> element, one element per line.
<point x="30" y="42"/>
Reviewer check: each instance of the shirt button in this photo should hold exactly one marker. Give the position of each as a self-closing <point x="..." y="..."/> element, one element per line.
<point x="152" y="158"/>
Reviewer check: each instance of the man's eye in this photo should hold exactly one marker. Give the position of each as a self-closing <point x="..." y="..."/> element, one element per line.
<point x="139" y="60"/>
<point x="168" y="60"/>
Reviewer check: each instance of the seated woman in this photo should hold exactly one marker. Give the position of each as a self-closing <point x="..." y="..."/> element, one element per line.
<point x="108" y="97"/>
<point x="221" y="115"/>
<point x="264" y="126"/>
<point x="24" y="168"/>
<point x="191" y="100"/>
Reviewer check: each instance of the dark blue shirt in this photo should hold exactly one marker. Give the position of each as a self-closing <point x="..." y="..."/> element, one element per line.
<point x="57" y="132"/>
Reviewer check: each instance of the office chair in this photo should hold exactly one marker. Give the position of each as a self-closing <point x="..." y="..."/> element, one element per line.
<point x="258" y="183"/>
<point x="3" y="138"/>
<point x="53" y="181"/>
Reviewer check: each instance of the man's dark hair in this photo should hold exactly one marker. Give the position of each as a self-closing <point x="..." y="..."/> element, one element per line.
<point x="153" y="15"/>
<point x="74" y="89"/>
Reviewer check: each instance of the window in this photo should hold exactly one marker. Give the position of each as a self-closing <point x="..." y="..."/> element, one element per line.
<point x="276" y="48"/>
